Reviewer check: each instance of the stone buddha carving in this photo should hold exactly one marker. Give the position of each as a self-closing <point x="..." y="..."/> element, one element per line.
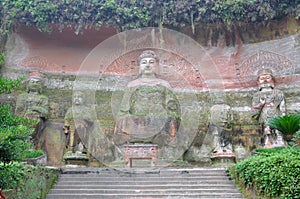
<point x="268" y="102"/>
<point x="221" y="128"/>
<point x="33" y="104"/>
<point x="149" y="111"/>
<point x="77" y="122"/>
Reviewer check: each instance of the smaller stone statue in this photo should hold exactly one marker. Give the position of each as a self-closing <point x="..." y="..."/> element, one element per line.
<point x="268" y="102"/>
<point x="32" y="104"/>
<point x="221" y="129"/>
<point x="77" y="123"/>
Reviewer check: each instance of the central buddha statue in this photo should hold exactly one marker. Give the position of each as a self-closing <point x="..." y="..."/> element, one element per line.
<point x="149" y="111"/>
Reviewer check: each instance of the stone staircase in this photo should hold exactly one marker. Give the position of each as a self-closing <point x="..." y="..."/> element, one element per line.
<point x="167" y="183"/>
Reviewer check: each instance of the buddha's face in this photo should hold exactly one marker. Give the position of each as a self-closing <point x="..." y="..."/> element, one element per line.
<point x="34" y="85"/>
<point x="78" y="98"/>
<point x="148" y="66"/>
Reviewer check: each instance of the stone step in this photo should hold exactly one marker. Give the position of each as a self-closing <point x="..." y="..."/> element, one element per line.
<point x="146" y="196"/>
<point x="114" y="178"/>
<point x="141" y="190"/>
<point x="146" y="175"/>
<point x="160" y="174"/>
<point x="215" y="171"/>
<point x="144" y="184"/>
<point x="139" y="175"/>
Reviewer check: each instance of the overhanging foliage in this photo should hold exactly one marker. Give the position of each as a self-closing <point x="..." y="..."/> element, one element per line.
<point x="127" y="14"/>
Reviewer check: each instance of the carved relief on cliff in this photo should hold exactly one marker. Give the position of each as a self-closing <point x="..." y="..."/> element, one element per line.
<point x="173" y="68"/>
<point x="283" y="67"/>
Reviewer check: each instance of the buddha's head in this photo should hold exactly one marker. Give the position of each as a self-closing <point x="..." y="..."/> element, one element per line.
<point x="148" y="62"/>
<point x="78" y="98"/>
<point x="35" y="82"/>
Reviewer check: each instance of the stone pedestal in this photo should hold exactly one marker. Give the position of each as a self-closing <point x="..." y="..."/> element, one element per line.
<point x="274" y="141"/>
<point x="223" y="158"/>
<point x="76" y="158"/>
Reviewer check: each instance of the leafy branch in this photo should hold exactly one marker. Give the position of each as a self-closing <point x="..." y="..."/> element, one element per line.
<point x="287" y="124"/>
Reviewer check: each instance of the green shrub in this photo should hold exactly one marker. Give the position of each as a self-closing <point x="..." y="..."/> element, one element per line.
<point x="287" y="124"/>
<point x="14" y="131"/>
<point x="37" y="182"/>
<point x="32" y="153"/>
<point x="14" y="135"/>
<point x="2" y="59"/>
<point x="11" y="174"/>
<point x="9" y="85"/>
<point x="26" y="181"/>
<point x="269" y="151"/>
<point x="272" y="173"/>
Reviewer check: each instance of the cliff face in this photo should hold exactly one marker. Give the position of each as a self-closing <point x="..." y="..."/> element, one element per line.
<point x="211" y="53"/>
<point x="202" y="68"/>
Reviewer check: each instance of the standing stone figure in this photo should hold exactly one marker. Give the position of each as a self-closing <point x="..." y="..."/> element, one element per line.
<point x="221" y="129"/>
<point x="33" y="104"/>
<point x="268" y="102"/>
<point x="149" y="111"/>
<point x="77" y="123"/>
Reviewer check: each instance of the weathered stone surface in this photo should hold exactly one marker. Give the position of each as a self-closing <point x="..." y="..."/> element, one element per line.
<point x="33" y="104"/>
<point x="41" y="160"/>
<point x="225" y="64"/>
<point x="246" y="129"/>
<point x="53" y="142"/>
<point x="194" y="86"/>
<point x="220" y="127"/>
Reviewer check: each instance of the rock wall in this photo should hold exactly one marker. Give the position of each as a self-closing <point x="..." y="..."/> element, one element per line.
<point x="245" y="130"/>
<point x="227" y="75"/>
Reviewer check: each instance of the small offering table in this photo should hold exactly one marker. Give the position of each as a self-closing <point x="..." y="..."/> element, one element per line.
<point x="140" y="151"/>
